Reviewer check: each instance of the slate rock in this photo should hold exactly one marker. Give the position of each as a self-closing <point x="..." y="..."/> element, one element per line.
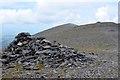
<point x="29" y="49"/>
<point x="20" y="44"/>
<point x="30" y="67"/>
<point x="22" y="34"/>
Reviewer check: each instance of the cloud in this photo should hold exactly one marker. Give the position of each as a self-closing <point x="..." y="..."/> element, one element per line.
<point x="106" y="14"/>
<point x="44" y="11"/>
<point x="17" y="16"/>
<point x="102" y="13"/>
<point x="49" y="11"/>
<point x="42" y="2"/>
<point x="4" y="3"/>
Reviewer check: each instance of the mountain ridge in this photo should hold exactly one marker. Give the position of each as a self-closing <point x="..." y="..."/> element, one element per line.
<point x="91" y="37"/>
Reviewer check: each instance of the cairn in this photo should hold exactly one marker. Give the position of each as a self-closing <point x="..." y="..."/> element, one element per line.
<point x="31" y="50"/>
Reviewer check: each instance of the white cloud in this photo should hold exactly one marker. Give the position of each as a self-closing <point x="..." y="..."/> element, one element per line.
<point x="27" y="16"/>
<point x="72" y="17"/>
<point x="106" y="14"/>
<point x="48" y="11"/>
<point x="17" y="16"/>
<point x="102" y="13"/>
<point x="54" y="2"/>
<point x="43" y="11"/>
<point x="7" y="16"/>
<point x="6" y="3"/>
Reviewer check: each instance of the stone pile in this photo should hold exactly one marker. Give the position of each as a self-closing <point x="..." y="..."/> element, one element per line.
<point x="30" y="50"/>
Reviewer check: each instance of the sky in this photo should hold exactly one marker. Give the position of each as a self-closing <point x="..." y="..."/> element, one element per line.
<point x="37" y="15"/>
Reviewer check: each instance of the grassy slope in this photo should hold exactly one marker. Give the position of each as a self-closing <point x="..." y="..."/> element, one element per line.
<point x="97" y="37"/>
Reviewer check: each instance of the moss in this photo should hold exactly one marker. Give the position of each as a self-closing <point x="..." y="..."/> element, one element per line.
<point x="10" y="74"/>
<point x="39" y="65"/>
<point x="16" y="65"/>
<point x="98" y="62"/>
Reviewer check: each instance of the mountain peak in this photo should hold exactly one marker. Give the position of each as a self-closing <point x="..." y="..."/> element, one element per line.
<point x="67" y="24"/>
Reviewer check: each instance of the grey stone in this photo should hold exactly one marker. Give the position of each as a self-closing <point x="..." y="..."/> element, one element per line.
<point x="30" y="57"/>
<point x="30" y="67"/>
<point x="38" y="41"/>
<point x="26" y="48"/>
<point x="25" y="42"/>
<point x="22" y="34"/>
<point x="64" y="63"/>
<point x="91" y="56"/>
<point x="46" y="47"/>
<point x="25" y="52"/>
<point x="45" y="41"/>
<point x="20" y="44"/>
<point x="5" y="61"/>
<point x="12" y="56"/>
<point x="41" y="52"/>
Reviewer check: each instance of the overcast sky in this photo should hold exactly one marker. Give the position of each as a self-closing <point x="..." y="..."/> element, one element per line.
<point x="37" y="15"/>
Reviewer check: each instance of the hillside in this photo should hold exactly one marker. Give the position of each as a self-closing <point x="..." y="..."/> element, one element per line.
<point x="92" y="52"/>
<point x="98" y="37"/>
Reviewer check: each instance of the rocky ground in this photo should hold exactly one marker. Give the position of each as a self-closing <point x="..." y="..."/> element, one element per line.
<point x="36" y="57"/>
<point x="92" y="53"/>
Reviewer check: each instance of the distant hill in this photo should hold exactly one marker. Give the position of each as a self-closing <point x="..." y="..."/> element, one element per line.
<point x="96" y="37"/>
<point x="5" y="40"/>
